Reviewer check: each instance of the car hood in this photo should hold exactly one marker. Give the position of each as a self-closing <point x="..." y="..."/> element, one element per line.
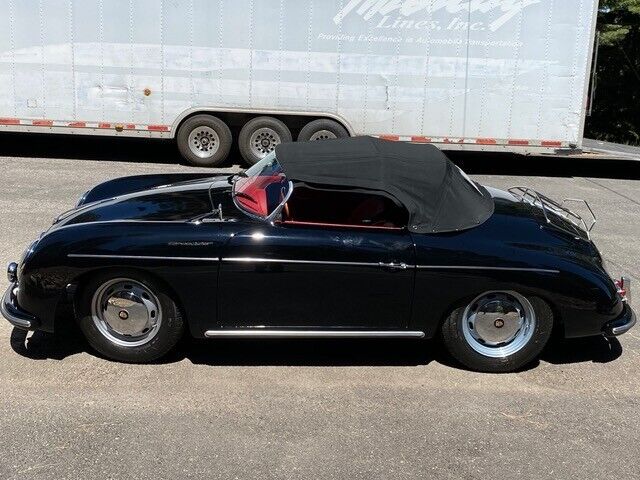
<point x="148" y="199"/>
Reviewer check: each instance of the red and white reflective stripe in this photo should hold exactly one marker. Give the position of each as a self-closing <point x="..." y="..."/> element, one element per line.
<point x="9" y="121"/>
<point x="40" y="122"/>
<point x="474" y="141"/>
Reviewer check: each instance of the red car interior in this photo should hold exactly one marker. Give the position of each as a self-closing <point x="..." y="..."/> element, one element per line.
<point x="322" y="207"/>
<point x="335" y="208"/>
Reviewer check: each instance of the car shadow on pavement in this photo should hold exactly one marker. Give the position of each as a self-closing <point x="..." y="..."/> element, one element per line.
<point x="367" y="352"/>
<point x="576" y="350"/>
<point x="310" y="352"/>
<point x="306" y="352"/>
<point x="43" y="346"/>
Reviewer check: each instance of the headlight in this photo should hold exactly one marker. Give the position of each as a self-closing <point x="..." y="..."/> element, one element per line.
<point x="12" y="272"/>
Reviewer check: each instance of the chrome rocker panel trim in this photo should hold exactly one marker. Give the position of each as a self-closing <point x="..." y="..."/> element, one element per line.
<point x="264" y="333"/>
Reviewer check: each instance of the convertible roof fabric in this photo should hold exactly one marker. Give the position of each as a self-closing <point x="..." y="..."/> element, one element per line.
<point x="435" y="192"/>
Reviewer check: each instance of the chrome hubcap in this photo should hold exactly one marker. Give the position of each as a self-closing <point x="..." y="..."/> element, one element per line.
<point x="322" y="135"/>
<point x="126" y="312"/>
<point x="498" y="324"/>
<point x="204" y="142"/>
<point x="263" y="141"/>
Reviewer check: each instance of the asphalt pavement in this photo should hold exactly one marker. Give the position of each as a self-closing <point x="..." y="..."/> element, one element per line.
<point x="311" y="409"/>
<point x="610" y="149"/>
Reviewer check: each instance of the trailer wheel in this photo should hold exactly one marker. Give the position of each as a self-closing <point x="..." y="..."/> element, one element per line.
<point x="204" y="140"/>
<point x="322" y="129"/>
<point x="259" y="137"/>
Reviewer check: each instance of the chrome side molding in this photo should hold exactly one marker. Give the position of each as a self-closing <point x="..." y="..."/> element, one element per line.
<point x="144" y="257"/>
<point x="300" y="262"/>
<point x="265" y="333"/>
<point x="385" y="265"/>
<point x="474" y="267"/>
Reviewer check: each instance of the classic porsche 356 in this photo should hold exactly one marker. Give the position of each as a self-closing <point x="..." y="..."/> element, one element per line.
<point x="340" y="238"/>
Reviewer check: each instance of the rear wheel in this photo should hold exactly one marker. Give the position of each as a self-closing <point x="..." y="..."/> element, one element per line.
<point x="204" y="140"/>
<point x="498" y="331"/>
<point x="128" y="318"/>
<point x="322" y="129"/>
<point x="260" y="136"/>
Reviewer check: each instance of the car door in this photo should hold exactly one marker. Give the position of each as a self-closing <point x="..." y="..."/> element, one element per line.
<point x="312" y="277"/>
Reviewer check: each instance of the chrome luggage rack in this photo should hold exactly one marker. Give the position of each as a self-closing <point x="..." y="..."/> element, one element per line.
<point x="548" y="205"/>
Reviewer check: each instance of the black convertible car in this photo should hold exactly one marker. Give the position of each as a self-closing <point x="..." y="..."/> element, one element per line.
<point x="340" y="238"/>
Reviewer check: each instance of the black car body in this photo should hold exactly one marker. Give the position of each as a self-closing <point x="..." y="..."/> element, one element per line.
<point x="233" y="273"/>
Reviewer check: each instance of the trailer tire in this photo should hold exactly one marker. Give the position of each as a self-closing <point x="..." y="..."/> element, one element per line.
<point x="204" y="140"/>
<point x="260" y="136"/>
<point x="322" y="129"/>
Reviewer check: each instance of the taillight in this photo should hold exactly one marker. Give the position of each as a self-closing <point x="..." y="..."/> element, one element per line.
<point x="624" y="288"/>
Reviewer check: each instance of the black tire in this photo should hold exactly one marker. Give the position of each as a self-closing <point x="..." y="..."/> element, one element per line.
<point x="209" y="158"/>
<point x="168" y="333"/>
<point x="322" y="128"/>
<point x="460" y="349"/>
<point x="278" y="131"/>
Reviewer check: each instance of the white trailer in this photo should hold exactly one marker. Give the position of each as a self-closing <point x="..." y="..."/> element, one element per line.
<point x="463" y="74"/>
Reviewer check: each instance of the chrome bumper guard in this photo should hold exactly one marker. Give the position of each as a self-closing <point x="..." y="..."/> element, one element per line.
<point x="12" y="312"/>
<point x="622" y="324"/>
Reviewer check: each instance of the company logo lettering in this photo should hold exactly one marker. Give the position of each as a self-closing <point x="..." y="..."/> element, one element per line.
<point x="404" y="9"/>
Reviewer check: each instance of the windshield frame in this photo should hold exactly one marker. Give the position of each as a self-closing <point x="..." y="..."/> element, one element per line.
<point x="278" y="209"/>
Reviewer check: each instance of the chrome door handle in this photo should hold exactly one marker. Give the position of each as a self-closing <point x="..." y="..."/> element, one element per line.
<point x="393" y="265"/>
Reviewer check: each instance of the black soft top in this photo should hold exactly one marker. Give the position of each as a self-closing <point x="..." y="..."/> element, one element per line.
<point x="436" y="193"/>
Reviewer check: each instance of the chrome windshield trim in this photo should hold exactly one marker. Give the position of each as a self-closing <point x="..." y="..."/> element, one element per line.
<point x="308" y="262"/>
<point x="272" y="216"/>
<point x="473" y="267"/>
<point x="144" y="257"/>
<point x="266" y="333"/>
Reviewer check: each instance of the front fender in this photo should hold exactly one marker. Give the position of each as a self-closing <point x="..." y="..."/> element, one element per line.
<point x="183" y="255"/>
<point x="136" y="183"/>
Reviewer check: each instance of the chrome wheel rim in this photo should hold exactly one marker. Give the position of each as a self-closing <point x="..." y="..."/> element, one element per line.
<point x="263" y="141"/>
<point x="204" y="142"/>
<point x="126" y="312"/>
<point x="498" y="324"/>
<point x="322" y="135"/>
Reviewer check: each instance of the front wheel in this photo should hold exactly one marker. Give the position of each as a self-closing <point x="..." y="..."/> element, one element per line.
<point x="128" y="318"/>
<point x="498" y="331"/>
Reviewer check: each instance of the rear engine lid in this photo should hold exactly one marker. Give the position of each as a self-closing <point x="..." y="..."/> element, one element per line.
<point x="557" y="213"/>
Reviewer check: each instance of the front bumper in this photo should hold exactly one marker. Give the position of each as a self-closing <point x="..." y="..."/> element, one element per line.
<point x="12" y="311"/>
<point x="621" y="324"/>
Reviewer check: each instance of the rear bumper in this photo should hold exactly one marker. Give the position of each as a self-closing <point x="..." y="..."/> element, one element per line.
<point x="12" y="311"/>
<point x="621" y="324"/>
